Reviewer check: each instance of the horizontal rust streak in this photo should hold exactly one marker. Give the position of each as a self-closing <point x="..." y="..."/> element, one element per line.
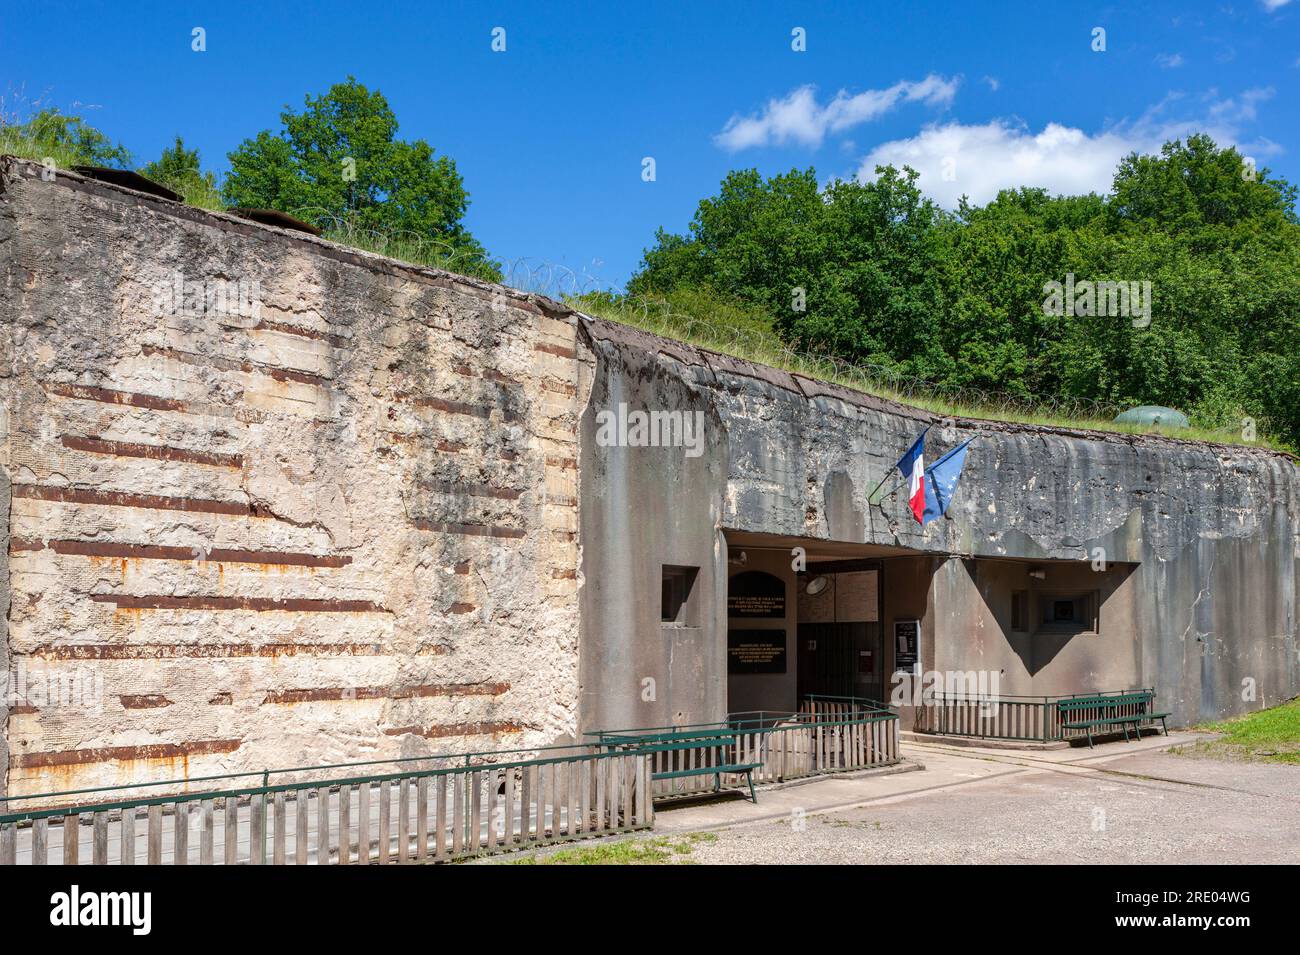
<point x="216" y="555"/>
<point x="335" y="694"/>
<point x="107" y="396"/>
<point x="144" y="701"/>
<point x="557" y="350"/>
<point x="231" y="364"/>
<point x="259" y="604"/>
<point x="487" y="374"/>
<point x="338" y="341"/>
<point x="472" y="530"/>
<point x="73" y="495"/>
<point x="449" y="407"/>
<point x="154" y="452"/>
<point x="569" y="574"/>
<point x="559" y="388"/>
<point x="560" y="500"/>
<point x="564" y="464"/>
<point x="17" y="544"/>
<point x="484" y="728"/>
<point x="475" y="490"/>
<point x="460" y="607"/>
<point x="78" y="757"/>
<point x="181" y="651"/>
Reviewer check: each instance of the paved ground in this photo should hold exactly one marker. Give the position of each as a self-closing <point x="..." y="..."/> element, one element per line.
<point x="1122" y="803"/>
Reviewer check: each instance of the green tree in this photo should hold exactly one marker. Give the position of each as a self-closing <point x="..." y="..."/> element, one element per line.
<point x="339" y="162"/>
<point x="848" y="269"/>
<point x="180" y="170"/>
<point x="958" y="299"/>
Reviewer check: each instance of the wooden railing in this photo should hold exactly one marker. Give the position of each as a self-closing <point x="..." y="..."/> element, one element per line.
<point x="1028" y="718"/>
<point x="468" y="805"/>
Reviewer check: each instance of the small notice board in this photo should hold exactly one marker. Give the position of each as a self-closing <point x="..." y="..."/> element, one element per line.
<point x="755" y="651"/>
<point x="907" y="646"/>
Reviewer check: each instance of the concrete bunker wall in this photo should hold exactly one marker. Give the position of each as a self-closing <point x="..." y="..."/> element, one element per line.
<point x="1202" y="542"/>
<point x="343" y="527"/>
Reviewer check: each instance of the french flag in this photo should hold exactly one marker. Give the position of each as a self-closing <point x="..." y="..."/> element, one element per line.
<point x="912" y="466"/>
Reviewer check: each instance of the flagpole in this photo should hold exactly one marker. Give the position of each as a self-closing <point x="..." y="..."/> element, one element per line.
<point x="870" y="503"/>
<point x="886" y="477"/>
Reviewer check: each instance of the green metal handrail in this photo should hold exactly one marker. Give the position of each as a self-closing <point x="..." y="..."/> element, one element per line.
<point x="1048" y="733"/>
<point x="584" y="751"/>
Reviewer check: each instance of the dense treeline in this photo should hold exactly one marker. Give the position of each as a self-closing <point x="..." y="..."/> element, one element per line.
<point x="875" y="272"/>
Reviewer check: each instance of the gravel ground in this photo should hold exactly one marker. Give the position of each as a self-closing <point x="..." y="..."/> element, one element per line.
<point x="1197" y="811"/>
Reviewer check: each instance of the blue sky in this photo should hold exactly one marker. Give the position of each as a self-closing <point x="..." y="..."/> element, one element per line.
<point x="550" y="134"/>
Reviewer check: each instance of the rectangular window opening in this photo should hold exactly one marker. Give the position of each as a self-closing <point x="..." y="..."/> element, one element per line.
<point x="678" y="589"/>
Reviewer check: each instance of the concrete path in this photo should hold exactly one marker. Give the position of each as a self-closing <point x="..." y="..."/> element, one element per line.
<point x="1120" y="803"/>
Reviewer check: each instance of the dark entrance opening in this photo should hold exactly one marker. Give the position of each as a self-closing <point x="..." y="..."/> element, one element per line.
<point x="844" y="655"/>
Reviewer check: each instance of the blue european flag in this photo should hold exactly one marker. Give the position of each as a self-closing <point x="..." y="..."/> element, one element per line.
<point x="941" y="482"/>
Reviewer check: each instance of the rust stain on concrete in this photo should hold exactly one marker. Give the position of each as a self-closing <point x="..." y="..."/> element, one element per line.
<point x="154" y="452"/>
<point x="331" y="694"/>
<point x="74" y="495"/>
<point x="107" y="754"/>
<point x="108" y="396"/>
<point x="231" y="364"/>
<point x="338" y="341"/>
<point x="482" y="728"/>
<point x="145" y="701"/>
<point x="259" y="604"/>
<point x="160" y="552"/>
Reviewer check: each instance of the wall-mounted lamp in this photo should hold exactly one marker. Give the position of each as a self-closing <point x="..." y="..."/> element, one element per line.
<point x="1038" y="573"/>
<point x="817" y="585"/>
<point x="739" y="561"/>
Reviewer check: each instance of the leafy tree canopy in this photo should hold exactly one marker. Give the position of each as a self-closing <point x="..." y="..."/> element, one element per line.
<point x="339" y="162"/>
<point x="180" y="170"/>
<point x="875" y="272"/>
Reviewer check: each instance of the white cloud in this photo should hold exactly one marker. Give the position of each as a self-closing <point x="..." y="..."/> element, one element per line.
<point x="799" y="118"/>
<point x="1271" y="5"/>
<point x="993" y="82"/>
<point x="977" y="161"/>
<point x="1169" y="61"/>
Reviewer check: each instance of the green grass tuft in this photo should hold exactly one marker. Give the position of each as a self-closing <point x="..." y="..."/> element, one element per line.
<point x="1269" y="736"/>
<point x="657" y="850"/>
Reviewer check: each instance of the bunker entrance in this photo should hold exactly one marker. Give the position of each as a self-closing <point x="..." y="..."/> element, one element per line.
<point x="834" y="622"/>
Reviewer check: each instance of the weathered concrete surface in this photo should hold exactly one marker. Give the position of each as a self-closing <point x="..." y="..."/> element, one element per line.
<point x="341" y="528"/>
<point x="348" y="527"/>
<point x="643" y="507"/>
<point x="1206" y="537"/>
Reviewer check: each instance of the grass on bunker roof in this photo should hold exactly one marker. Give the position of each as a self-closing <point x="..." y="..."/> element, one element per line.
<point x="744" y="334"/>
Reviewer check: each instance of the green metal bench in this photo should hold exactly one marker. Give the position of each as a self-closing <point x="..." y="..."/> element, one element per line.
<point x="685" y="740"/>
<point x="1096" y="712"/>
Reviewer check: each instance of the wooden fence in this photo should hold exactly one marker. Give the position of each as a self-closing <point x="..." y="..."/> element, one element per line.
<point x="1028" y="718"/>
<point x="481" y="806"/>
